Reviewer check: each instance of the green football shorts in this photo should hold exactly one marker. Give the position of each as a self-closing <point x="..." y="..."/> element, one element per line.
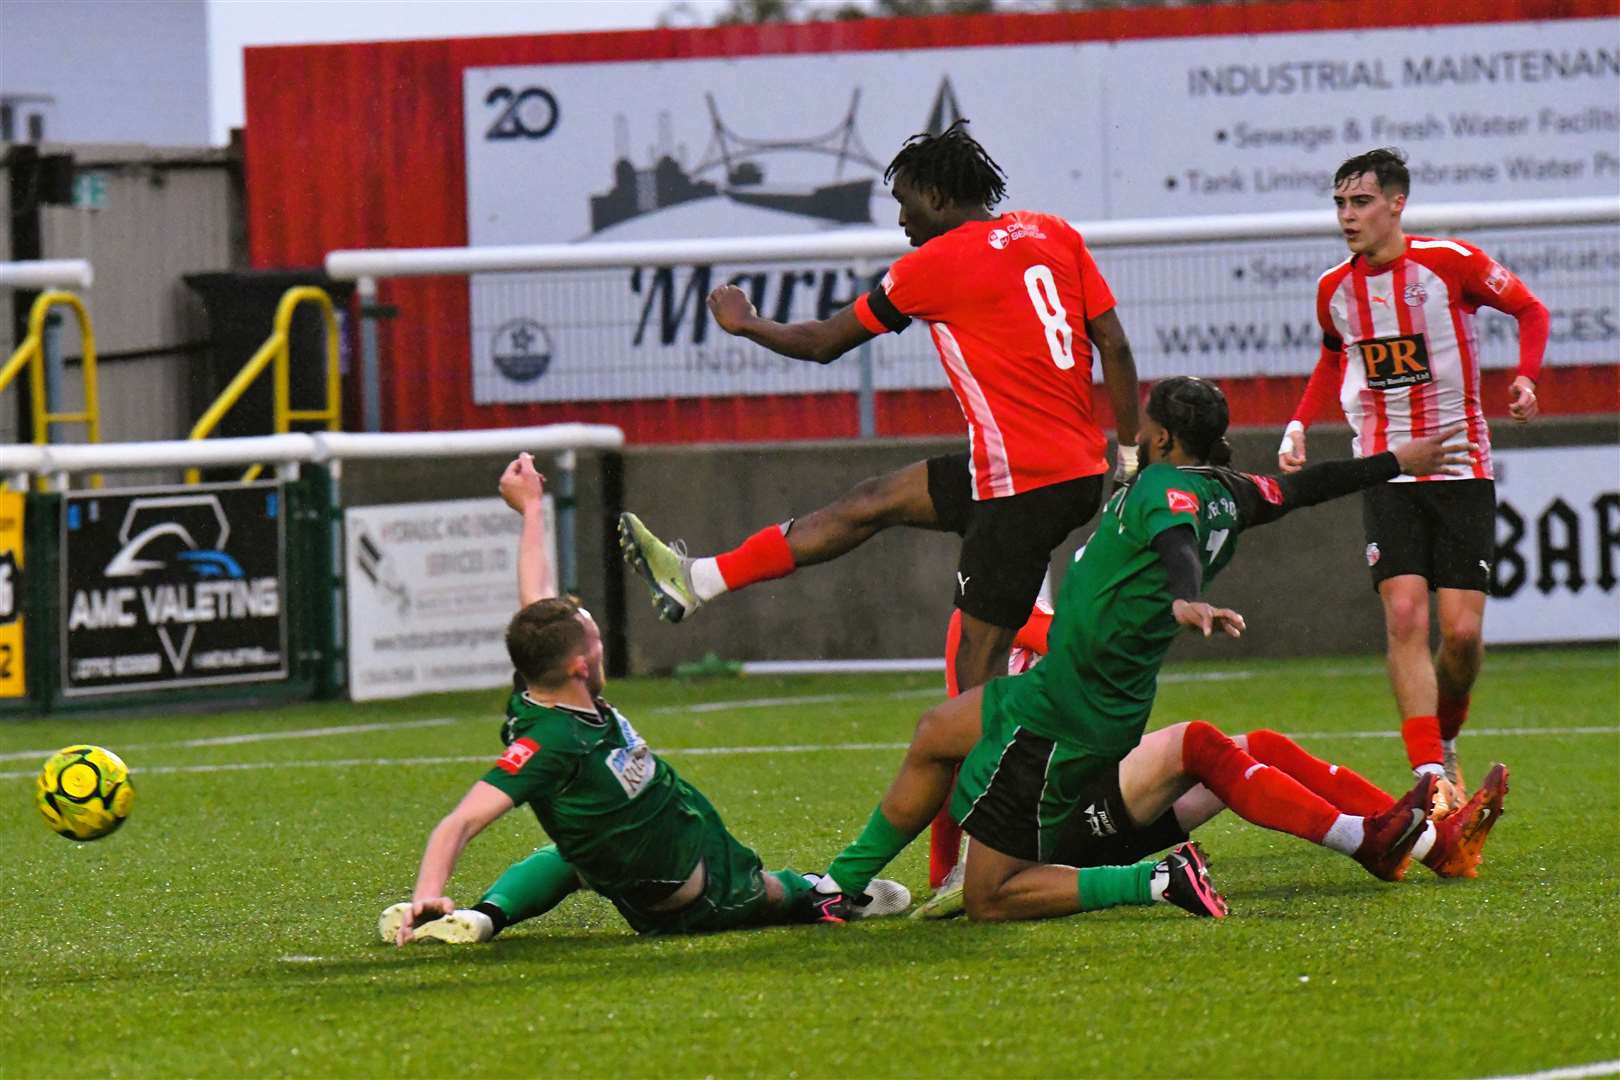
<point x="733" y="893"/>
<point x="1017" y="788"/>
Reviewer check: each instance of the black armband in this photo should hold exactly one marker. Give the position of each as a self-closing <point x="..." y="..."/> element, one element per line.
<point x="1177" y="548"/>
<point x="1333" y="479"/>
<point x="886" y="312"/>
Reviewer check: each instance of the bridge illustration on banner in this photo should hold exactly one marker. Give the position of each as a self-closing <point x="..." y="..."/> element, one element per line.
<point x="735" y="162"/>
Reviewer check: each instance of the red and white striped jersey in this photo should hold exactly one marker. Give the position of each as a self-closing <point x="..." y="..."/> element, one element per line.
<point x="1007" y="302"/>
<point x="1404" y="335"/>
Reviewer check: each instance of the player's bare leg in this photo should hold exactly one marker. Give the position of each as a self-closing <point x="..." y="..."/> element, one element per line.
<point x="680" y="583"/>
<point x="1000" y="888"/>
<point x="1456" y="666"/>
<point x="943" y="738"/>
<point x="1411" y="668"/>
<point x="981" y="651"/>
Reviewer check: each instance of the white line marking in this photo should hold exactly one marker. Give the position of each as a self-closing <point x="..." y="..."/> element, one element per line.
<point x="1570" y="1072"/>
<point x="726" y="751"/>
<point x="1314" y="736"/>
<point x="252" y="737"/>
<point x="895" y="695"/>
<point x="807" y="699"/>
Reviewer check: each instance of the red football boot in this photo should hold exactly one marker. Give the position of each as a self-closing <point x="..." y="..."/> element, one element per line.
<point x="1460" y="836"/>
<point x="1387" y="846"/>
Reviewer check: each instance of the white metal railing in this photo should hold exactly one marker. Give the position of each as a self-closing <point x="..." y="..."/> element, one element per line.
<point x="58" y="462"/>
<point x="47" y="274"/>
<point x="1228" y="296"/>
<point x="888" y="243"/>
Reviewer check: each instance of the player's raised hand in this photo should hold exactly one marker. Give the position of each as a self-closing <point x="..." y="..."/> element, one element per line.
<point x="423" y="911"/>
<point x="1447" y="453"/>
<point x="1291" y="454"/>
<point x="731" y="308"/>
<point x="1522" y="400"/>
<point x="521" y="483"/>
<point x="1207" y="618"/>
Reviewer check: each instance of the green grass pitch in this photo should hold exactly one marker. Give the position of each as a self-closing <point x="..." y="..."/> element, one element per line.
<point x="228" y="929"/>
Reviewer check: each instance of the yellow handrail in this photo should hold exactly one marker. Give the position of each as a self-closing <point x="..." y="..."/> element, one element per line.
<point x="276" y="350"/>
<point x="31" y="355"/>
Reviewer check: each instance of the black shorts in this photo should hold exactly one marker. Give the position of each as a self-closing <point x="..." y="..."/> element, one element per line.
<point x="1443" y="531"/>
<point x="1099" y="832"/>
<point x="1007" y="543"/>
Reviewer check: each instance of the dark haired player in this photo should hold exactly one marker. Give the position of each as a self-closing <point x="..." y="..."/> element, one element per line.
<point x="621" y="821"/>
<point x="1016" y="308"/>
<point x="1055" y="755"/>
<point x="1398" y="353"/>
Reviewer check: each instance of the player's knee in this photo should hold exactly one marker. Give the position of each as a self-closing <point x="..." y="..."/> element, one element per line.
<point x="1463" y="635"/>
<point x="1406" y="615"/>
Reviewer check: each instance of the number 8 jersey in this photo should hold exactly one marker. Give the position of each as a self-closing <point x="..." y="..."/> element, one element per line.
<point x="1006" y="302"/>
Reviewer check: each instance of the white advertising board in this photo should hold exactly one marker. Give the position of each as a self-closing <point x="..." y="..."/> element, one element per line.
<point x="1143" y="128"/>
<point x="431" y="587"/>
<point x="1557" y="546"/>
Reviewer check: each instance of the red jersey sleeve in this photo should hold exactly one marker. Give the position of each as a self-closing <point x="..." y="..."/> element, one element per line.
<point x="1099" y="297"/>
<point x="1328" y="375"/>
<point x="1487" y="283"/>
<point x="915" y="287"/>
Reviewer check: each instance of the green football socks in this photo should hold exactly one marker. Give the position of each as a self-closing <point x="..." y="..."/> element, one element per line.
<point x="1111" y="886"/>
<point x="874" y="849"/>
<point x="532" y="887"/>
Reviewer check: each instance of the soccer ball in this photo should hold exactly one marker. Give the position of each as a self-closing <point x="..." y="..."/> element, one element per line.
<point x="83" y="792"/>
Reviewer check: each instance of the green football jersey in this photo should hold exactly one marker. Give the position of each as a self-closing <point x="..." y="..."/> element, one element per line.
<point x="1113" y="625"/>
<point x="616" y="811"/>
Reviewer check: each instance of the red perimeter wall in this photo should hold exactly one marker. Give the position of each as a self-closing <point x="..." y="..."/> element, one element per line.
<point x="360" y="146"/>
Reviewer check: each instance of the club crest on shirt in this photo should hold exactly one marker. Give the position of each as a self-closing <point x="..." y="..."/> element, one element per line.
<point x="1415" y="295"/>
<point x="1181" y="502"/>
<point x="1497" y="278"/>
<point x="1372" y="554"/>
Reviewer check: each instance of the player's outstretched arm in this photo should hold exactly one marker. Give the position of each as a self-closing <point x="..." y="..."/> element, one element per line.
<point x="1119" y="375"/>
<point x="477" y="809"/>
<point x="1264" y="499"/>
<point x="522" y="487"/>
<point x="819" y="340"/>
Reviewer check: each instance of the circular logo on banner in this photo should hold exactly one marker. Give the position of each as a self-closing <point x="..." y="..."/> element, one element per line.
<point x="998" y="238"/>
<point x="522" y="350"/>
<point x="1415" y="295"/>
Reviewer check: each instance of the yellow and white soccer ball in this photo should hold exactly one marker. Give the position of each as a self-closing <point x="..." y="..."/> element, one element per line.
<point x="83" y="792"/>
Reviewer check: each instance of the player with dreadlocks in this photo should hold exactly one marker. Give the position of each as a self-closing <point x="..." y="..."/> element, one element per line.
<point x="1017" y="311"/>
<point x="1055" y="773"/>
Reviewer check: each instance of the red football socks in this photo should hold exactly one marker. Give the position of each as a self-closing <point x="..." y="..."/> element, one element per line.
<point x="1034" y="633"/>
<point x="762" y="557"/>
<point x="1453" y="715"/>
<point x="1345" y="789"/>
<point x="1422" y="737"/>
<point x="1264" y="796"/>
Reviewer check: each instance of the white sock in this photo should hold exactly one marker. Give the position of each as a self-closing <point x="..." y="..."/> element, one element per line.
<point x="706" y="579"/>
<point x="1432" y="767"/>
<point x="1159" y="882"/>
<point x="1345" y="835"/>
<point x="1424" y="842"/>
<point x="1449" y="746"/>
<point x="828" y="885"/>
